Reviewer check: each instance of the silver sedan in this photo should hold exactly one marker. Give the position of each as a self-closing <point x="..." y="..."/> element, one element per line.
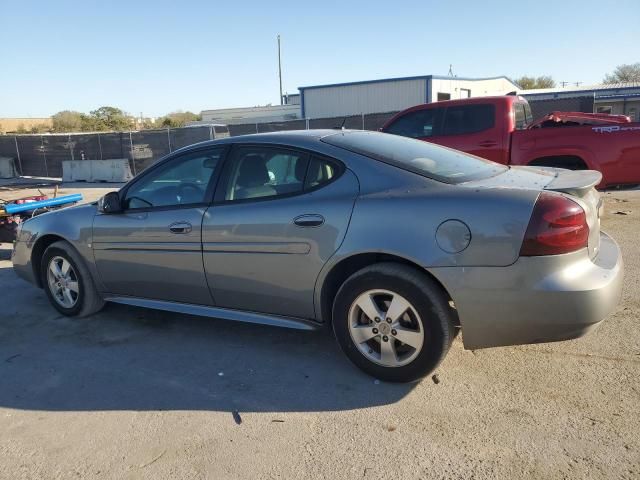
<point x="396" y="244"/>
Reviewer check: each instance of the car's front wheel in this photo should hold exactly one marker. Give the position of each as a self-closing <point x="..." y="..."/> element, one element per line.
<point x="67" y="281"/>
<point x="393" y="322"/>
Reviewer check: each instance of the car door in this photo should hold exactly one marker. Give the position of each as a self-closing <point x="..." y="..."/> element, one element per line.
<point x="473" y="129"/>
<point x="153" y="247"/>
<point x="278" y="216"/>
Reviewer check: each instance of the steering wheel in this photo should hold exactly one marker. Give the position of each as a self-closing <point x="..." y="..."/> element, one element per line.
<point x="186" y="187"/>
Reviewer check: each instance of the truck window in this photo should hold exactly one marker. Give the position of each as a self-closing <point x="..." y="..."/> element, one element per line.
<point x="527" y="113"/>
<point x="468" y="119"/>
<point x="519" y="116"/>
<point x="417" y="124"/>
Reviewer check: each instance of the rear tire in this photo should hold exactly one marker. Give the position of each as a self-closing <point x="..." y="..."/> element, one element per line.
<point x="418" y="311"/>
<point x="67" y="281"/>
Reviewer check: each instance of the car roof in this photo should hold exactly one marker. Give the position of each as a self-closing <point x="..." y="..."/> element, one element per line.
<point x="292" y="137"/>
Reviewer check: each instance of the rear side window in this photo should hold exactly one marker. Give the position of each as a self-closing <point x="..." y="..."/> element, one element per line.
<point x="519" y="116"/>
<point x="468" y="119"/>
<point x="527" y="113"/>
<point x="418" y="124"/>
<point x="424" y="158"/>
<point x="320" y="172"/>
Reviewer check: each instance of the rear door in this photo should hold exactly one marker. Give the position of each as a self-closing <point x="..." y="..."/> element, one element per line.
<point x="152" y="249"/>
<point x="278" y="216"/>
<point x="473" y="129"/>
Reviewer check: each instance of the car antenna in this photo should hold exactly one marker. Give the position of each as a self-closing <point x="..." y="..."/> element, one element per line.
<point x="341" y="127"/>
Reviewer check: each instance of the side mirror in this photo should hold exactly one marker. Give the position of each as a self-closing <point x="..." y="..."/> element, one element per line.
<point x="110" y="203"/>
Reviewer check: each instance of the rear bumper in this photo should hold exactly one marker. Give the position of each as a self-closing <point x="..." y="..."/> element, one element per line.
<point x="537" y="299"/>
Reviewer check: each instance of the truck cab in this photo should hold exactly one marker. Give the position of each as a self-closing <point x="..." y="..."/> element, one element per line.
<point x="480" y="126"/>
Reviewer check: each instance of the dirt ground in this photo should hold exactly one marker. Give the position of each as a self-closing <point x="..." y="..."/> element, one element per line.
<point x="134" y="393"/>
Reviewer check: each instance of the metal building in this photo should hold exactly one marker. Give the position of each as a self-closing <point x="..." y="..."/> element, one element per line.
<point x="394" y="94"/>
<point x="615" y="98"/>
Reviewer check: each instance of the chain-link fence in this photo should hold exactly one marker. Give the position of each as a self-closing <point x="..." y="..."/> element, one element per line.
<point x="42" y="155"/>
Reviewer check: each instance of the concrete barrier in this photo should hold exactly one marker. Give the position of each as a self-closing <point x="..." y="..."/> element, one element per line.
<point x="115" y="170"/>
<point x="8" y="168"/>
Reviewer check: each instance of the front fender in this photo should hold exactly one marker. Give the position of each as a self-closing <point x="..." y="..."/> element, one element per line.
<point x="73" y="224"/>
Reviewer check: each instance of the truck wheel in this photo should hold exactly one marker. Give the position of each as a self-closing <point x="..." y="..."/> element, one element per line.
<point x="393" y="322"/>
<point x="67" y="281"/>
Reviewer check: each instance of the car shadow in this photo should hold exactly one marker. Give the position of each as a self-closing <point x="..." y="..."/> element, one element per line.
<point x="127" y="358"/>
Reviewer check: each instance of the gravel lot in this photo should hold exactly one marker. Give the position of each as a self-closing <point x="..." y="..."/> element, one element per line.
<point x="134" y="393"/>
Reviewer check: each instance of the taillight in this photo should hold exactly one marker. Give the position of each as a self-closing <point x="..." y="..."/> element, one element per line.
<point x="557" y="225"/>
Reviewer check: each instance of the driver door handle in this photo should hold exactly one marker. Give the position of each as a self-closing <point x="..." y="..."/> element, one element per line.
<point x="309" y="220"/>
<point x="180" y="227"/>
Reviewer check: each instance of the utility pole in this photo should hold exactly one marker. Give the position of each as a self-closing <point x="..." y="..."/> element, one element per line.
<point x="280" y="70"/>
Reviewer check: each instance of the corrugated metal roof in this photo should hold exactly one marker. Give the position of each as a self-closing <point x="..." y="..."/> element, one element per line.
<point x="581" y="89"/>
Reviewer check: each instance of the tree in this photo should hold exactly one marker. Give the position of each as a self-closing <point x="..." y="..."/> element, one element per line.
<point x="67" y="121"/>
<point x="624" y="73"/>
<point x="176" y="119"/>
<point x="105" y="119"/>
<point x="528" y="83"/>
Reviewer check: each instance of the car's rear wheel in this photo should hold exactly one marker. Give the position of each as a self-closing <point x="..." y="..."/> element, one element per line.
<point x="67" y="281"/>
<point x="393" y="322"/>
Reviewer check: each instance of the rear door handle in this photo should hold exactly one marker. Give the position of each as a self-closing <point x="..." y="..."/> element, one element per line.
<point x="180" y="227"/>
<point x="488" y="143"/>
<point x="309" y="220"/>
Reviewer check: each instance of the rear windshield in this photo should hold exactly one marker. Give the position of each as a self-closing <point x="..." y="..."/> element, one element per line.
<point x="423" y="158"/>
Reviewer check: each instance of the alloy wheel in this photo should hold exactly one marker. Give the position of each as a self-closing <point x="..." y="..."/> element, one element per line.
<point x="63" y="282"/>
<point x="386" y="328"/>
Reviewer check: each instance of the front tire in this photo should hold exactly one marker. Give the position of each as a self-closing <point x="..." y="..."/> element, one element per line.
<point x="393" y="322"/>
<point x="67" y="281"/>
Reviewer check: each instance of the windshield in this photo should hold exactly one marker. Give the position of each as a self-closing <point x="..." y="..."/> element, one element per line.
<point x="433" y="161"/>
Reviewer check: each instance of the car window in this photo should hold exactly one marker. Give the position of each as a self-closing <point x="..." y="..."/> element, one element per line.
<point x="424" y="158"/>
<point x="182" y="181"/>
<point x="418" y="124"/>
<point x="266" y="172"/>
<point x="519" y="116"/>
<point x="464" y="119"/>
<point x="320" y="171"/>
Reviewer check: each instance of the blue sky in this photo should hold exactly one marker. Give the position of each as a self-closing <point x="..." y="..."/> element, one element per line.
<point x="160" y="56"/>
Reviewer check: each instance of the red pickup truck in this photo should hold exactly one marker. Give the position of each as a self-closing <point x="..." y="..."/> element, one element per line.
<point x="502" y="129"/>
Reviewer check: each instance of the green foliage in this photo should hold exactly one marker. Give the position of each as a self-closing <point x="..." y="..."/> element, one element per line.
<point x="176" y="119"/>
<point x="624" y="73"/>
<point x="67" y="121"/>
<point x="101" y="120"/>
<point x="528" y="83"/>
<point x="107" y="119"/>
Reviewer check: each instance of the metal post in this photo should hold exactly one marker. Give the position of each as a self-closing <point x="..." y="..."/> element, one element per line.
<point x="280" y="70"/>
<point x="307" y="122"/>
<point x="18" y="152"/>
<point x="363" y="121"/>
<point x="71" y="148"/>
<point x="257" y="128"/>
<point x="46" y="168"/>
<point x="100" y="146"/>
<point x="210" y="132"/>
<point x="169" y="139"/>
<point x="133" y="159"/>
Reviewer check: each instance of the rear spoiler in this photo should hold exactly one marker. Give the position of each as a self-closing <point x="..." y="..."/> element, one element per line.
<point x="574" y="182"/>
